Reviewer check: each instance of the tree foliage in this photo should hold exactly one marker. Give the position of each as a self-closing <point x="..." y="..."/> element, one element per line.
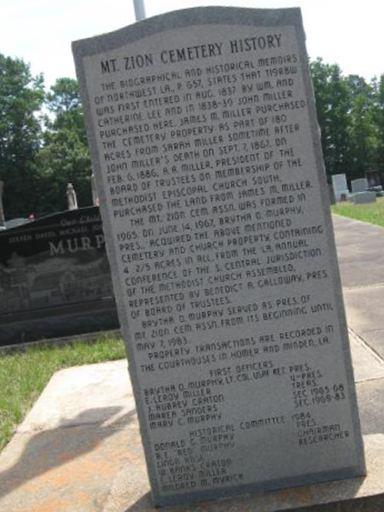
<point x="332" y="104"/>
<point x="351" y="117"/>
<point x="64" y="96"/>
<point x="362" y="136"/>
<point x="21" y="99"/>
<point x="378" y="119"/>
<point x="64" y="156"/>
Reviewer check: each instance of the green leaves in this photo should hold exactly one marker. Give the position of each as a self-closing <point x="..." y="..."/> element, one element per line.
<point x="64" y="155"/>
<point x="332" y="103"/>
<point x="350" y="114"/>
<point x="21" y="98"/>
<point x="378" y="121"/>
<point x="39" y="153"/>
<point x="63" y="96"/>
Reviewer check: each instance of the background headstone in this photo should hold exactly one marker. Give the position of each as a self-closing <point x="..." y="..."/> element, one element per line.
<point x="216" y="216"/>
<point x="340" y="187"/>
<point x="54" y="278"/>
<point x="363" y="197"/>
<point x="359" y="185"/>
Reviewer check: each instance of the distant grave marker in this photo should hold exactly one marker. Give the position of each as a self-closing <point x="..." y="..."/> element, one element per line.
<point x="364" y="197"/>
<point x="214" y="202"/>
<point x="359" y="185"/>
<point x="340" y="187"/>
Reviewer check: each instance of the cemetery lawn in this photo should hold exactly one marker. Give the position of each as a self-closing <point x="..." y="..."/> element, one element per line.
<point x="25" y="373"/>
<point x="372" y="213"/>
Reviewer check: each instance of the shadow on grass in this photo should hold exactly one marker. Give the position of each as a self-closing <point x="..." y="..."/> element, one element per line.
<point x="52" y="448"/>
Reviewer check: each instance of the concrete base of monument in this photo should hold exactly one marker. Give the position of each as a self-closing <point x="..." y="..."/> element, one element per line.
<point x="79" y="450"/>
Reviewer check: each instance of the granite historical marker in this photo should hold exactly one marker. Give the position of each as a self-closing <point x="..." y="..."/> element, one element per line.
<point x="214" y="202"/>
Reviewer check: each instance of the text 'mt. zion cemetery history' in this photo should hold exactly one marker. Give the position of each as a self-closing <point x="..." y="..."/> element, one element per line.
<point x="213" y="197"/>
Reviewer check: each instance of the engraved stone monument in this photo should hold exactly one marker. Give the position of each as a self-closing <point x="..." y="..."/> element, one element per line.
<point x="214" y="203"/>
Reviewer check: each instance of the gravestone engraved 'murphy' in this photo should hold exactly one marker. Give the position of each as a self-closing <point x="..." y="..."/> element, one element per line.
<point x="213" y="197"/>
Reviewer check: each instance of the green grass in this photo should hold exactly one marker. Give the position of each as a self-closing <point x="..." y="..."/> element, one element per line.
<point x="25" y="373"/>
<point x="372" y="212"/>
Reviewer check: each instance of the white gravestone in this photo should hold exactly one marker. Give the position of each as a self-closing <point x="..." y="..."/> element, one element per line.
<point x="214" y="203"/>
<point x="340" y="187"/>
<point x="359" y="185"/>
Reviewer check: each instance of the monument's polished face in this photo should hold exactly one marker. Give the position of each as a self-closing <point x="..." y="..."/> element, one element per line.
<point x="213" y="197"/>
